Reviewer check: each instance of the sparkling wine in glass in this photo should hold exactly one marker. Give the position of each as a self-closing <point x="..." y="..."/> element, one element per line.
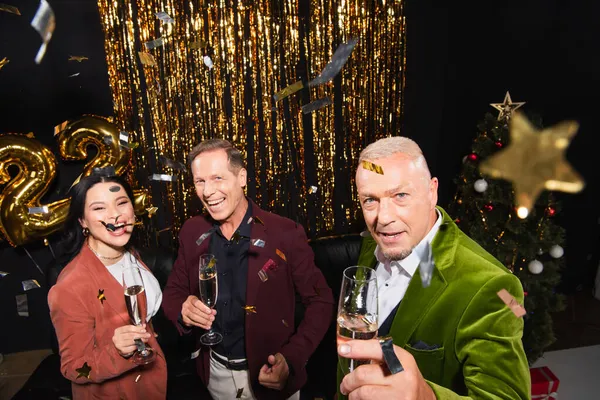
<point x="208" y="294"/>
<point x="137" y="307"/>
<point x="357" y="310"/>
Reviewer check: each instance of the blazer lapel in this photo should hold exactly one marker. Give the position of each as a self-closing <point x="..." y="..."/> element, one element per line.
<point x="418" y="300"/>
<point x="107" y="285"/>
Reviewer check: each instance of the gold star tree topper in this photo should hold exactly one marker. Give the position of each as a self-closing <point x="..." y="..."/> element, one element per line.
<point x="507" y="107"/>
<point x="535" y="160"/>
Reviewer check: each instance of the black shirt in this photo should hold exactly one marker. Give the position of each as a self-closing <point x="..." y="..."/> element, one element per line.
<point x="232" y="268"/>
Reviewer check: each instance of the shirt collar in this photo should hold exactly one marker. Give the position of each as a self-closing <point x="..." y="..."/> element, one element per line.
<point x="244" y="229"/>
<point x="410" y="263"/>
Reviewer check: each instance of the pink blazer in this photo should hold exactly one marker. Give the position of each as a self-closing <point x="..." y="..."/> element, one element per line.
<point x="86" y="306"/>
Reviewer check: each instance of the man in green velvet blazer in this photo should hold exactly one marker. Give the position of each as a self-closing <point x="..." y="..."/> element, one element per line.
<point x="455" y="338"/>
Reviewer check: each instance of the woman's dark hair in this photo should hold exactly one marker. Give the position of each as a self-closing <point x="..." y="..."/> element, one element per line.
<point x="73" y="237"/>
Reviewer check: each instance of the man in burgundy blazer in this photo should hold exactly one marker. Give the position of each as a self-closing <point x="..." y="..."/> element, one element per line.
<point x="280" y="264"/>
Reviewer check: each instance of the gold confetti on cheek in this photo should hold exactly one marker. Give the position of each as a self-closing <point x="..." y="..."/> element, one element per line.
<point x="372" y="167"/>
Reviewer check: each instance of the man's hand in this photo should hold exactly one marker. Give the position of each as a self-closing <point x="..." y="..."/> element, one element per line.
<point x="373" y="381"/>
<point x="275" y="375"/>
<point x="124" y="338"/>
<point x="196" y="313"/>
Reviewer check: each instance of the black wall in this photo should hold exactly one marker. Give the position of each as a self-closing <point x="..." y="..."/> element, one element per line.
<point x="461" y="57"/>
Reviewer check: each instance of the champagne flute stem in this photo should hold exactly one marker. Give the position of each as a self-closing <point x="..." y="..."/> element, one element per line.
<point x="141" y="347"/>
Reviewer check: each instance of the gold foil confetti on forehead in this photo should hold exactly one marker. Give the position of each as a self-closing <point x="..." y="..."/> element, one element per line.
<point x="368" y="165"/>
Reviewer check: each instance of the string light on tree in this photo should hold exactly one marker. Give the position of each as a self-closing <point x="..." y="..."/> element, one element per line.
<point x="535" y="267"/>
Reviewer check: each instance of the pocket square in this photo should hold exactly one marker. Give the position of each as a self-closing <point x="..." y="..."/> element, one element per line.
<point x="269" y="266"/>
<point x="421" y="345"/>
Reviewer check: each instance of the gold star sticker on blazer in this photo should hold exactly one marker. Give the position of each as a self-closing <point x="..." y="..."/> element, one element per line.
<point x="151" y="211"/>
<point x="507" y="107"/>
<point x="101" y="296"/>
<point x="535" y="160"/>
<point x="84" y="371"/>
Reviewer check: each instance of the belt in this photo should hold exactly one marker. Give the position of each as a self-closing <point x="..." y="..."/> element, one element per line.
<point x="237" y="365"/>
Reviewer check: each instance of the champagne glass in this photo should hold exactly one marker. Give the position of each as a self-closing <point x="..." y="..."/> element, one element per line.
<point x="137" y="307"/>
<point x="208" y="294"/>
<point x="357" y="310"/>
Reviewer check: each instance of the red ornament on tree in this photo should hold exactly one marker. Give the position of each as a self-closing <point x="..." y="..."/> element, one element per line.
<point x="499" y="144"/>
<point x="457" y="220"/>
<point x="473" y="157"/>
<point x="488" y="207"/>
<point x="550" y="211"/>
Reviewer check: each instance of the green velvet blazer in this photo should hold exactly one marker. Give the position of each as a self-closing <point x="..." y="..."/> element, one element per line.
<point x="472" y="340"/>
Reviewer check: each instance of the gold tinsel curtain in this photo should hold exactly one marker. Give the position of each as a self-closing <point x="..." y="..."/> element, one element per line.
<point x="300" y="165"/>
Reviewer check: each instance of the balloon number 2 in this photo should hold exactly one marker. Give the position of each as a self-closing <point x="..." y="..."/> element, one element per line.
<point x="37" y="170"/>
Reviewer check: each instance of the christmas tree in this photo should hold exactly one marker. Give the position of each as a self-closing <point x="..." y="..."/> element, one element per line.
<point x="531" y="247"/>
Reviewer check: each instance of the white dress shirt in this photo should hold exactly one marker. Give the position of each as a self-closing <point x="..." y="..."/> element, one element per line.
<point x="151" y="285"/>
<point x="393" y="277"/>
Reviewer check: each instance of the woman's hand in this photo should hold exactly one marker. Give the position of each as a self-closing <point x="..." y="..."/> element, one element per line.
<point x="124" y="338"/>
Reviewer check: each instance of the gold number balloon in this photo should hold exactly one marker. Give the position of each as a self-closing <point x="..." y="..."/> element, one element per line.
<point x="74" y="138"/>
<point x="37" y="169"/>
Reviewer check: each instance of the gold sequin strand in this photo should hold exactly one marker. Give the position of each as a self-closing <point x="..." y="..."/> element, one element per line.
<point x="256" y="48"/>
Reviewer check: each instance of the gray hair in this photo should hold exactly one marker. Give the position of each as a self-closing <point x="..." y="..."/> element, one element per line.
<point x="390" y="146"/>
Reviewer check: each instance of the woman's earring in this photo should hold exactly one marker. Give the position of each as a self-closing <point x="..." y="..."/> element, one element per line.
<point x="86" y="232"/>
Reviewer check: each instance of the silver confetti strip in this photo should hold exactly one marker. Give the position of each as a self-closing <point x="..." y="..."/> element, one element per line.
<point x="171" y="163"/>
<point x="312" y="190"/>
<point x="202" y="238"/>
<point x="163" y="177"/>
<point x="138" y="378"/>
<point x="74" y="75"/>
<point x="3" y="274"/>
<point x="208" y="62"/>
<point x="22" y="307"/>
<point x="258" y="242"/>
<point x="249" y="220"/>
<point x="164" y="17"/>
<point x="263" y="276"/>
<point x="316" y="105"/>
<point x="38" y="210"/>
<point x="426" y="266"/>
<point x="195" y="354"/>
<point x="44" y="23"/>
<point x="30" y="284"/>
<point x="155" y="43"/>
<point x="340" y="57"/>
<point x="365" y="234"/>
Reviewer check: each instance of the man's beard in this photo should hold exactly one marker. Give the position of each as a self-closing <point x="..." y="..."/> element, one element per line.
<point x="397" y="256"/>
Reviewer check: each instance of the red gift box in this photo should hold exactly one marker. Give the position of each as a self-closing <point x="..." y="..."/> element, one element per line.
<point x="544" y="384"/>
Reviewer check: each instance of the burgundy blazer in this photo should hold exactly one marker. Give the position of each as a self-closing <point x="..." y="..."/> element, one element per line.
<point x="288" y="261"/>
<point x="85" y="325"/>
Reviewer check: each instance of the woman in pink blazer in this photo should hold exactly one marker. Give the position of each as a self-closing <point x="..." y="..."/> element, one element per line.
<point x="87" y="304"/>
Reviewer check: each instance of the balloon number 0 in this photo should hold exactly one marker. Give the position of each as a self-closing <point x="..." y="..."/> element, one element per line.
<point x="37" y="170"/>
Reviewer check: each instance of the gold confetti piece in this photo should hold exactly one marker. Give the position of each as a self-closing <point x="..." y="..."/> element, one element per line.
<point x="84" y="371"/>
<point x="3" y="62"/>
<point x="291" y="89"/>
<point x="284" y="322"/>
<point x="212" y="263"/>
<point x="151" y="211"/>
<point x="44" y="23"/>
<point x="30" y="135"/>
<point x="239" y="393"/>
<point x="101" y="296"/>
<point x="250" y="309"/>
<point x="147" y="59"/>
<point x="78" y="58"/>
<point x="312" y="189"/>
<point x="372" y="167"/>
<point x="138" y="378"/>
<point x="9" y="8"/>
<point x="263" y="276"/>
<point x="535" y="160"/>
<point x="168" y="228"/>
<point x="30" y="284"/>
<point x="259" y="221"/>
<point x="512" y="303"/>
<point x="199" y="44"/>
<point x="236" y="237"/>
<point x="46" y="242"/>
<point x="280" y="254"/>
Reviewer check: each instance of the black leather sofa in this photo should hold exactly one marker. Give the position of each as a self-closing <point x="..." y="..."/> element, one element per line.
<point x="332" y="255"/>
